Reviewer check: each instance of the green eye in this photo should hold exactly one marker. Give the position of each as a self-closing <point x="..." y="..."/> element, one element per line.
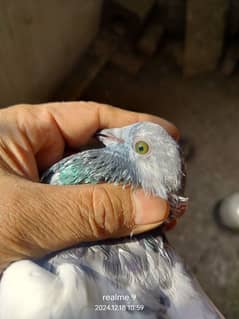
<point x="141" y="147"/>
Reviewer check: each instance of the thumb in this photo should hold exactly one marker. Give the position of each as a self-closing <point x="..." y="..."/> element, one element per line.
<point x="42" y="218"/>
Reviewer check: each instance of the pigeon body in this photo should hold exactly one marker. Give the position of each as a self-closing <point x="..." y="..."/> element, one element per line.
<point x="137" y="277"/>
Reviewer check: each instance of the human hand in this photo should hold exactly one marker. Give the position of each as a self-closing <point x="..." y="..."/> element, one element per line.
<point x="37" y="219"/>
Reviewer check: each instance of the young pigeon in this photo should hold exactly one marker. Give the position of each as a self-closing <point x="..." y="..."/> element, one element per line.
<point x="137" y="277"/>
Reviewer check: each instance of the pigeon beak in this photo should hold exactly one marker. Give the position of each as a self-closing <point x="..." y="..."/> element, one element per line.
<point x="110" y="136"/>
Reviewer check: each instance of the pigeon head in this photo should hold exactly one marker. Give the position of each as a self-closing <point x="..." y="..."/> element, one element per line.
<point x="143" y="155"/>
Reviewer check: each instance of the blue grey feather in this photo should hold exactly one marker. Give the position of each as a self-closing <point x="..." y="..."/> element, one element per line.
<point x="142" y="274"/>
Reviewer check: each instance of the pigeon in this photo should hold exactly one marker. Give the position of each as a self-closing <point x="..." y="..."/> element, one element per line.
<point x="139" y="276"/>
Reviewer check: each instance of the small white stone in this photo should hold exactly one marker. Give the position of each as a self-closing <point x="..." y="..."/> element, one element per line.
<point x="229" y="211"/>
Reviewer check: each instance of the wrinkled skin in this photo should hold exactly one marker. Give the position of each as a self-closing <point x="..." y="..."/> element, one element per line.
<point x="37" y="219"/>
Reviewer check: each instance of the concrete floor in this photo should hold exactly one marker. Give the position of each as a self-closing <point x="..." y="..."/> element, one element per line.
<point x="206" y="110"/>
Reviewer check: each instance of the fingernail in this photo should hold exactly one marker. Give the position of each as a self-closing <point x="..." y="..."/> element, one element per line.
<point x="149" y="209"/>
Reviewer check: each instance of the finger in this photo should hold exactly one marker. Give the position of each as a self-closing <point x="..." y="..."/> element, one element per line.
<point x="41" y="218"/>
<point x="80" y="120"/>
<point x="34" y="137"/>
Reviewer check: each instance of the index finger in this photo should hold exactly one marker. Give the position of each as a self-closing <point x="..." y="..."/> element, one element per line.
<point x="78" y="121"/>
<point x="38" y="134"/>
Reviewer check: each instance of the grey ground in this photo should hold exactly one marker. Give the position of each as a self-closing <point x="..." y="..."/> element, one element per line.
<point x="206" y="110"/>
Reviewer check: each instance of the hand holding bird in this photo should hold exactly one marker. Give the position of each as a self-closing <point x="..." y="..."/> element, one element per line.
<point x="70" y="283"/>
<point x="37" y="219"/>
